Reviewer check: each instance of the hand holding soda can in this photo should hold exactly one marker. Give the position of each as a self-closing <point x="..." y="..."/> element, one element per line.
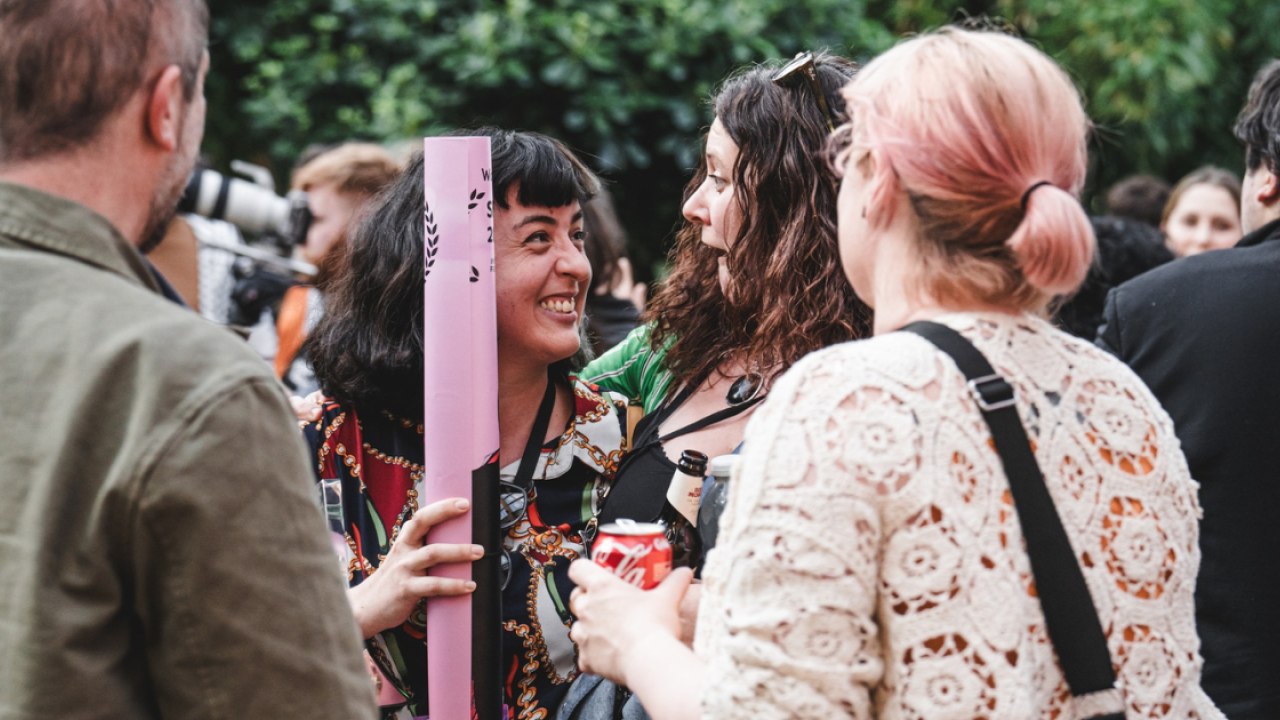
<point x="636" y="552"/>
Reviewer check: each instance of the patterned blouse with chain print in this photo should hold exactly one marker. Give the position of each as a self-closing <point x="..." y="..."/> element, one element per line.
<point x="378" y="458"/>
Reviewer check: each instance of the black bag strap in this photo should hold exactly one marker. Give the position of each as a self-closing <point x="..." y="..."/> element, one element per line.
<point x="1069" y="614"/>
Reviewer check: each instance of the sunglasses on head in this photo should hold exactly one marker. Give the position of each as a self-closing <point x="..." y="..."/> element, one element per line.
<point x="803" y="66"/>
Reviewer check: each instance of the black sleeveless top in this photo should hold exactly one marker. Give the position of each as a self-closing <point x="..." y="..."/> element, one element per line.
<point x="640" y="485"/>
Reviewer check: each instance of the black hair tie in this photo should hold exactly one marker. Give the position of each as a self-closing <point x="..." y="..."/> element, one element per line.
<point x="1027" y="195"/>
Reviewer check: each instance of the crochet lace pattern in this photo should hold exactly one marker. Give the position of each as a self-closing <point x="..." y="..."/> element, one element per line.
<point x="871" y="563"/>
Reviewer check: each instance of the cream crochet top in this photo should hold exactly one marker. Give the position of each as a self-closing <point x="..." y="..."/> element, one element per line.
<point x="871" y="563"/>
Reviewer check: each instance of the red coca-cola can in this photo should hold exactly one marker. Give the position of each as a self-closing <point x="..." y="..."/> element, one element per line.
<point x="636" y="552"/>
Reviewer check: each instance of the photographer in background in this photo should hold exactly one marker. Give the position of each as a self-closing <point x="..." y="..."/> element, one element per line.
<point x="338" y="183"/>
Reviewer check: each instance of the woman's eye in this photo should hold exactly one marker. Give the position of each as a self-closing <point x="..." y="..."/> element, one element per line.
<point x="538" y="237"/>
<point x="1221" y="225"/>
<point x="718" y="182"/>
<point x="579" y="237"/>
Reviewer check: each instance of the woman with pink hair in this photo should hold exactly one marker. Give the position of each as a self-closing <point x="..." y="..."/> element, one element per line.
<point x="980" y="516"/>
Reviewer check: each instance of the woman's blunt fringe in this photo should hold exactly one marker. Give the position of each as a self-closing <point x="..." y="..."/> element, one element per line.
<point x="545" y="172"/>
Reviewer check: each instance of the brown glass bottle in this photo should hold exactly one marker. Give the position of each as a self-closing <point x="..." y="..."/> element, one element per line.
<point x="680" y="509"/>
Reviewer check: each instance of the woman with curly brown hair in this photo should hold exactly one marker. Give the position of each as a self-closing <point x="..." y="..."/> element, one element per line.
<point x="755" y="284"/>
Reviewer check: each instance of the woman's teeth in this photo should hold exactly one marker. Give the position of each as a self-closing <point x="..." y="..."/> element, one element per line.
<point x="559" y="306"/>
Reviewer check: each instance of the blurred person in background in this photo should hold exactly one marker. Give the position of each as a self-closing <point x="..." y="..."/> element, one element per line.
<point x="1125" y="249"/>
<point x="1139" y="197"/>
<point x="755" y="279"/>
<point x="369" y="358"/>
<point x="163" y="553"/>
<point x="1203" y="333"/>
<point x="615" y="300"/>
<point x="338" y="182"/>
<point x="1202" y="213"/>
<point x="870" y="564"/>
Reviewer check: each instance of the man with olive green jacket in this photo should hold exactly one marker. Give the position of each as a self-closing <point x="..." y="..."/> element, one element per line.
<point x="161" y="553"/>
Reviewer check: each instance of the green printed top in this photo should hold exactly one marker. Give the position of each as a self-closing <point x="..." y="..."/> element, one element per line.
<point x="632" y="368"/>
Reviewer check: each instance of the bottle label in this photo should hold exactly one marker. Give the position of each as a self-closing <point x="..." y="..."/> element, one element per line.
<point x="684" y="494"/>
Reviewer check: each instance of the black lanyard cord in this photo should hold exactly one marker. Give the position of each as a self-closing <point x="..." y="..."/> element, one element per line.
<point x="537" y="437"/>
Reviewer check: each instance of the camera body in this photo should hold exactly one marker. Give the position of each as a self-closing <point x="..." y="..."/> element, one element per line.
<point x="248" y="206"/>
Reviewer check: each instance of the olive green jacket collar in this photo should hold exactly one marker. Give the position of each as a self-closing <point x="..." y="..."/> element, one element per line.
<point x="37" y="220"/>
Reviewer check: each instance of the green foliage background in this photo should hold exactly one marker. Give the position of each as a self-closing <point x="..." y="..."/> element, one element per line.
<point x="626" y="82"/>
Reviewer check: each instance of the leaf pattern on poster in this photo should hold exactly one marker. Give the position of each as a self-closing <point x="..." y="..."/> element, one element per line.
<point x="432" y="239"/>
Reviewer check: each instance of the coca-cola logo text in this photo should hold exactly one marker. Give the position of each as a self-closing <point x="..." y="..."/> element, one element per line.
<point x="625" y="559"/>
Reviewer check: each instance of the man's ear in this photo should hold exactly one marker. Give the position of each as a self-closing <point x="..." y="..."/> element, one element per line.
<point x="1268" y="188"/>
<point x="165" y="108"/>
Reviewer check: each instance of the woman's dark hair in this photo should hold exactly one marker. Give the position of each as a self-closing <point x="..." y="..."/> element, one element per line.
<point x="1140" y="197"/>
<point x="367" y="349"/>
<point x="1126" y="249"/>
<point x="1258" y="126"/>
<point x="788" y="294"/>
<point x="545" y="172"/>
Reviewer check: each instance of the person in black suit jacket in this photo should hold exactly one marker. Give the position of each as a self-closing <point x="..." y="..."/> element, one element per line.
<point x="1204" y="334"/>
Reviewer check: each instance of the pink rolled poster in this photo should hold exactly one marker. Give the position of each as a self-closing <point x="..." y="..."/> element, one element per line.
<point x="461" y="423"/>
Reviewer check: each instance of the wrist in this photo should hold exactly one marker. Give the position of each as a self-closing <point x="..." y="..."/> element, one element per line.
<point x="355" y="597"/>
<point x="647" y="657"/>
<point x="669" y="682"/>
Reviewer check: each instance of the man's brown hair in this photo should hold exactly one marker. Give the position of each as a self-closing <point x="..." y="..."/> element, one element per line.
<point x="66" y="66"/>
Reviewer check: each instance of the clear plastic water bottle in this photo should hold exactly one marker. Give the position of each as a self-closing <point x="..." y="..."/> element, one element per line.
<point x="714" y="497"/>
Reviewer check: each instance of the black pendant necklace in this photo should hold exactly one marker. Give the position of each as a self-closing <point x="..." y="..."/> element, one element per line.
<point x="744" y="389"/>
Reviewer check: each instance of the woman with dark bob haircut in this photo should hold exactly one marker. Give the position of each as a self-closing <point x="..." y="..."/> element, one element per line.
<point x="755" y="284"/>
<point x="368" y="357"/>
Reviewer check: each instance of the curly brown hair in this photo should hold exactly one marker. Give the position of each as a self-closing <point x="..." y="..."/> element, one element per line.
<point x="787" y="293"/>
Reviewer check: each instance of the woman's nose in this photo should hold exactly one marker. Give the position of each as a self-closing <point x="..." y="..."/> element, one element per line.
<point x="695" y="208"/>
<point x="1204" y="235"/>
<point x="573" y="263"/>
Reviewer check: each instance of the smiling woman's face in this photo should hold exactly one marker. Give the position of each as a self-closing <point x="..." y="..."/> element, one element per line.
<point x="713" y="205"/>
<point x="542" y="277"/>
